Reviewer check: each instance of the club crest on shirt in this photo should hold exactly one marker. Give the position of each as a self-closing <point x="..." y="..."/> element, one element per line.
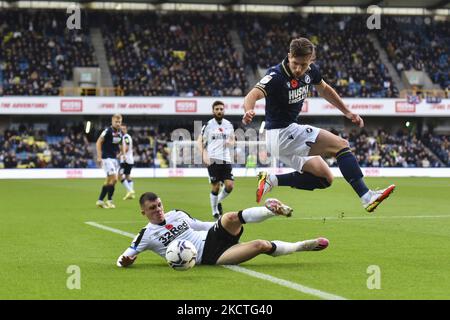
<point x="307" y="79"/>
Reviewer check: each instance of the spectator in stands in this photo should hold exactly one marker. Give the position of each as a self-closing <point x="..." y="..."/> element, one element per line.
<point x="36" y="56"/>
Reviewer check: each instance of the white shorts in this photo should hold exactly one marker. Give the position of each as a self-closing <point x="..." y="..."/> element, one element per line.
<point x="110" y="166"/>
<point x="292" y="144"/>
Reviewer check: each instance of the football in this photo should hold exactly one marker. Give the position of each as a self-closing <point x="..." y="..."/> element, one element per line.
<point x="181" y="255"/>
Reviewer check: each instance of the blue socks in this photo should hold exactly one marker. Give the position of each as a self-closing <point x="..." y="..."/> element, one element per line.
<point x="110" y="192"/>
<point x="103" y="193"/>
<point x="305" y="181"/>
<point x="351" y="171"/>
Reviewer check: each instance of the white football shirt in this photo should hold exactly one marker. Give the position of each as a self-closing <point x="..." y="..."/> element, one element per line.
<point x="179" y="225"/>
<point x="216" y="135"/>
<point x="127" y="141"/>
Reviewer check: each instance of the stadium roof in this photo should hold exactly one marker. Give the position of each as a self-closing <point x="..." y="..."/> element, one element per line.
<point x="430" y="4"/>
<point x="427" y="4"/>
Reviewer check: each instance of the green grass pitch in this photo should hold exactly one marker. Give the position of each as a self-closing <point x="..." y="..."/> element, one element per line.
<point x="43" y="232"/>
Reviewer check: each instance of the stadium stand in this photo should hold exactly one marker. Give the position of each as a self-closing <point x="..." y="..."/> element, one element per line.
<point x="68" y="147"/>
<point x="37" y="54"/>
<point x="418" y="43"/>
<point x="354" y="69"/>
<point x="381" y="148"/>
<point x="440" y="145"/>
<point x="194" y="55"/>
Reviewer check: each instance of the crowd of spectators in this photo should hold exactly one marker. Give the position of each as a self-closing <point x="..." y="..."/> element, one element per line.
<point x="173" y="55"/>
<point x="25" y="147"/>
<point x="150" y="147"/>
<point x="440" y="145"/>
<point x="381" y="148"/>
<point x="418" y="43"/>
<point x="345" y="54"/>
<point x="155" y="54"/>
<point x="61" y="146"/>
<point x="38" y="52"/>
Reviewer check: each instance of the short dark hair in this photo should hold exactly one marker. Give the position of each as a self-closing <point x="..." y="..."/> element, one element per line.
<point x="217" y="103"/>
<point x="148" y="196"/>
<point x="302" y="47"/>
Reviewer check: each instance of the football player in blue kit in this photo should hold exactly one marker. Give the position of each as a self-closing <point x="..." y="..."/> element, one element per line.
<point x="109" y="146"/>
<point x="285" y="87"/>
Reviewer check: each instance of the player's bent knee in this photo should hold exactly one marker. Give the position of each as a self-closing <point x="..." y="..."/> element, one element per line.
<point x="343" y="144"/>
<point x="230" y="217"/>
<point x="329" y="180"/>
<point x="337" y="146"/>
<point x="262" y="245"/>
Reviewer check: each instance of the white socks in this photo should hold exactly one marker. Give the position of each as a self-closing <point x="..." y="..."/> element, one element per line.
<point x="126" y="184"/>
<point x="222" y="195"/>
<point x="366" y="197"/>
<point x="256" y="214"/>
<point x="284" y="248"/>
<point x="273" y="180"/>
<point x="214" y="202"/>
<point x="131" y="184"/>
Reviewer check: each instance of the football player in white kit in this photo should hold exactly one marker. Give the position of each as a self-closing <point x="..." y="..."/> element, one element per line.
<point x="216" y="242"/>
<point x="126" y="163"/>
<point x="218" y="138"/>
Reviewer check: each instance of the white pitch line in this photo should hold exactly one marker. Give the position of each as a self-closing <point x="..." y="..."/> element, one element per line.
<point x="100" y="226"/>
<point x="285" y="283"/>
<point x="374" y="217"/>
<point x="263" y="276"/>
<point x="370" y="218"/>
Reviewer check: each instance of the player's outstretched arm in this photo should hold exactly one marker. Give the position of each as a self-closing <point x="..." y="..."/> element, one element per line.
<point x="127" y="258"/>
<point x="329" y="94"/>
<point x="249" y="104"/>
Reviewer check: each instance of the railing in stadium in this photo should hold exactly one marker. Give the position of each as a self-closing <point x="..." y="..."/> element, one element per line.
<point x="95" y="91"/>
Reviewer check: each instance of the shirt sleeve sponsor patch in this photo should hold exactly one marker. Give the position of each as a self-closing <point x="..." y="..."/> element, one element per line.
<point x="265" y="80"/>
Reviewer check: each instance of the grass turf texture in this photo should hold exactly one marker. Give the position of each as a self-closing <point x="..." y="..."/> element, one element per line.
<point x="44" y="232"/>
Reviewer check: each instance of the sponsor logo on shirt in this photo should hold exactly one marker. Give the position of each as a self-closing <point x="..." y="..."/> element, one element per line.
<point x="297" y="95"/>
<point x="173" y="233"/>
